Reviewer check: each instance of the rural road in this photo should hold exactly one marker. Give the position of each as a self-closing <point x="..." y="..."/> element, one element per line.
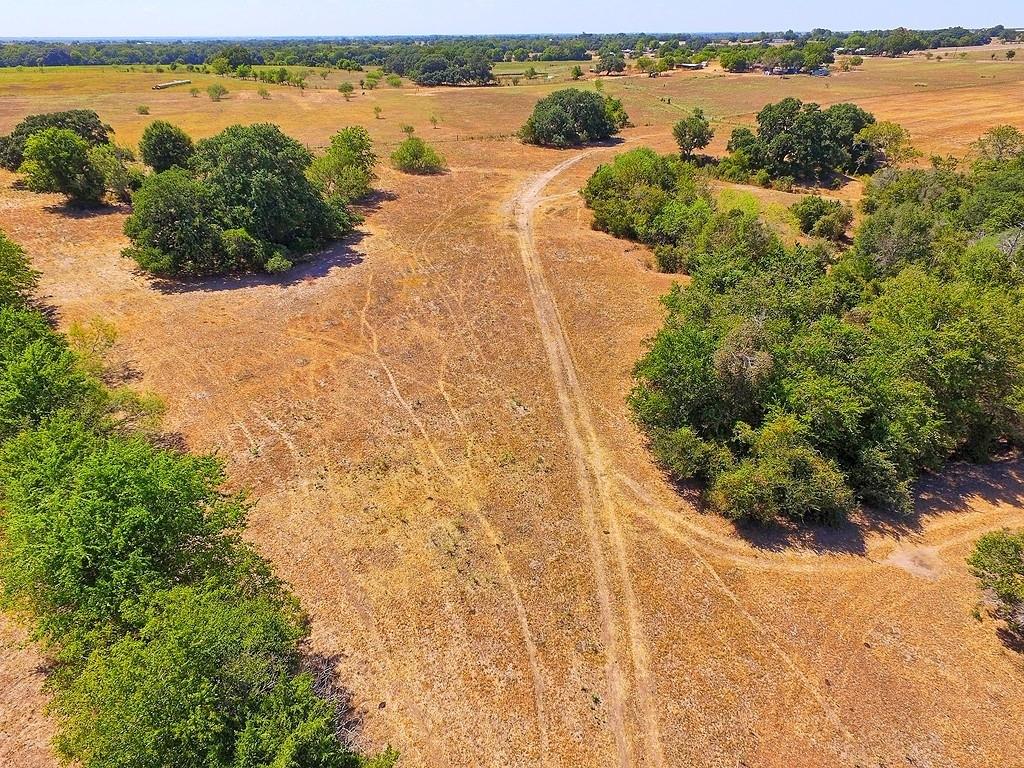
<point x="596" y="497"/>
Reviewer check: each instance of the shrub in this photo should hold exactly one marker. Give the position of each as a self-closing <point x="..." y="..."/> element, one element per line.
<point x="833" y="225"/>
<point x="216" y="92"/>
<point x="812" y="208"/>
<point x="57" y="160"/>
<point x="277" y="264"/>
<point x="570" y="117"/>
<point x="83" y="122"/>
<point x="998" y="563"/>
<point x="163" y="146"/>
<point x="414" y="155"/>
<point x="142" y="109"/>
<point x="345" y="170"/>
<point x="241" y="251"/>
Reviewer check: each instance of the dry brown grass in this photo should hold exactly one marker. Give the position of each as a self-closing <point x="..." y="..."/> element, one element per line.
<point x="495" y="591"/>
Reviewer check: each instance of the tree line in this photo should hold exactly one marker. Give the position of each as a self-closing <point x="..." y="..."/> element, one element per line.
<point x="172" y="641"/>
<point x="374" y="51"/>
<point x="797" y="382"/>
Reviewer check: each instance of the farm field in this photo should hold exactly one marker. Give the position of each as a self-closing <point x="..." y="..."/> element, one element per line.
<point x="430" y="417"/>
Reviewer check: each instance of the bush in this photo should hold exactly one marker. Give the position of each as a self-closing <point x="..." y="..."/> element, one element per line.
<point x="83" y="122"/>
<point x="414" y="155"/>
<point x="998" y="563"/>
<point x="571" y="117"/>
<point x="57" y="160"/>
<point x="811" y="208"/>
<point x="277" y="264"/>
<point x="345" y="170"/>
<point x="216" y="92"/>
<point x="242" y="251"/>
<point x="163" y="146"/>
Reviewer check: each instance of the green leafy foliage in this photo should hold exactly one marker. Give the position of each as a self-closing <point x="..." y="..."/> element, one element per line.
<point x="164" y="146"/>
<point x="805" y="141"/>
<point x="345" y="170"/>
<point x="692" y="132"/>
<point x="795" y="383"/>
<point x="998" y="563"/>
<point x="571" y="117"/>
<point x="823" y="218"/>
<point x="414" y="155"/>
<point x="172" y="642"/>
<point x="84" y="123"/>
<point x="244" y="195"/>
<point x="57" y="160"/>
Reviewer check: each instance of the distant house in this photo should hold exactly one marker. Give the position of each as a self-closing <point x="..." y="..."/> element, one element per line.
<point x="700" y="65"/>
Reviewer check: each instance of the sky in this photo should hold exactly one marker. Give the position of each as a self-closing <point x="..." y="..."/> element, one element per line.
<point x="235" y="18"/>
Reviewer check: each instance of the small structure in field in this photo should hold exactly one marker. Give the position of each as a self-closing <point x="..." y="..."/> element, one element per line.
<point x="171" y="84"/>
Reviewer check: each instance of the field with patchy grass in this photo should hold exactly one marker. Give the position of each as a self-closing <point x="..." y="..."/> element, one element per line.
<point x="431" y="419"/>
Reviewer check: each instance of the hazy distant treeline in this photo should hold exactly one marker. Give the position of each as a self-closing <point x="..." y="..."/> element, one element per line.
<point x="381" y="50"/>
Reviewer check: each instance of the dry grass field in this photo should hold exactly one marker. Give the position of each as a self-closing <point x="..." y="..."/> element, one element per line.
<point x="431" y="420"/>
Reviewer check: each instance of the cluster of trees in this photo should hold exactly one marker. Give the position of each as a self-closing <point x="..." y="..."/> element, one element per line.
<point x="248" y="198"/>
<point x="998" y="563"/>
<point x="440" y="64"/>
<point x="173" y="642"/>
<point x="796" y="383"/>
<point x="71" y="153"/>
<point x="572" y="117"/>
<point x="801" y="140"/>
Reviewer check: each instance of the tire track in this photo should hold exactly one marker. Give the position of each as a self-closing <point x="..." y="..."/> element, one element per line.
<point x="465" y="485"/>
<point x="595" y="490"/>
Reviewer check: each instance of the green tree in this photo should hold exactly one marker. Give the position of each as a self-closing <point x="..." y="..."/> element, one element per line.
<point x="57" y="160"/>
<point x="345" y="89"/>
<point x="692" y="132"/>
<point x="175" y="226"/>
<point x="345" y="170"/>
<point x="569" y="117"/>
<point x="84" y="122"/>
<point x="164" y="146"/>
<point x="90" y="532"/>
<point x="259" y="176"/>
<point x="119" y="178"/>
<point x="576" y="73"/>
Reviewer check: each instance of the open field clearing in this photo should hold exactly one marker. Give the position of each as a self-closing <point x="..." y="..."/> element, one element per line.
<point x="431" y="419"/>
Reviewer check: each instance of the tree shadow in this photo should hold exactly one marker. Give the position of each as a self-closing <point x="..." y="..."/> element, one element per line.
<point x="373" y="201"/>
<point x="339" y="255"/>
<point x="952" y="491"/>
<point x="72" y="211"/>
<point x="348" y="721"/>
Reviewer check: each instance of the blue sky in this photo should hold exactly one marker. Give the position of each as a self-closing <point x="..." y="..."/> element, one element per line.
<point x="169" y="18"/>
